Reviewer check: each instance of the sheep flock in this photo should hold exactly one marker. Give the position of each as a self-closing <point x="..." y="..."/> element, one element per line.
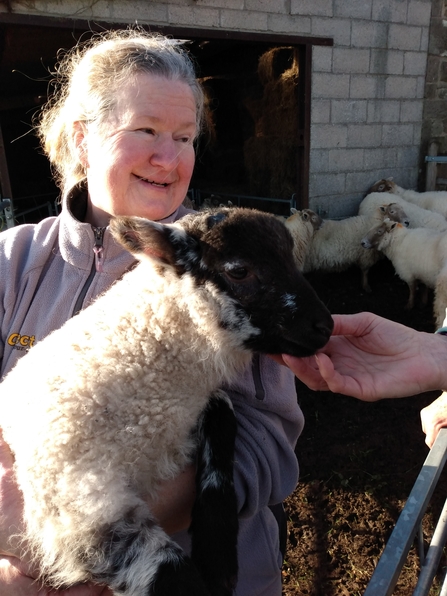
<point x="405" y="226"/>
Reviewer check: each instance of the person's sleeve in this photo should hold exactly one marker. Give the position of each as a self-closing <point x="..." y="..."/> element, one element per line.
<point x="269" y="424"/>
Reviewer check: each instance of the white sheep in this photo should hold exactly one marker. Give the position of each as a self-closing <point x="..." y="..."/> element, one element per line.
<point x="434" y="200"/>
<point x="336" y="245"/>
<point x="102" y="410"/>
<point x="417" y="216"/>
<point x="416" y="254"/>
<point x="302" y="225"/>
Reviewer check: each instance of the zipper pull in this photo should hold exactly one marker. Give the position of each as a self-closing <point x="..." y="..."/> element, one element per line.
<point x="98" y="248"/>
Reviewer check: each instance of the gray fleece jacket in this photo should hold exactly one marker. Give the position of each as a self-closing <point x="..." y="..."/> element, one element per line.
<point x="51" y="270"/>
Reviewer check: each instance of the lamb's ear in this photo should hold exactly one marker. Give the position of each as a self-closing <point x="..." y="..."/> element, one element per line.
<point x="293" y="210"/>
<point x="216" y="218"/>
<point x="143" y="237"/>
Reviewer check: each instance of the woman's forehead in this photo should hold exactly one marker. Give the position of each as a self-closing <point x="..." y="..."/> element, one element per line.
<point x="154" y="95"/>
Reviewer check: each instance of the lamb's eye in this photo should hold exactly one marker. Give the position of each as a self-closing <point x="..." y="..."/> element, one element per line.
<point x="237" y="273"/>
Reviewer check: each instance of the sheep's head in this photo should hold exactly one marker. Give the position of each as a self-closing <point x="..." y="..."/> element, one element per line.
<point x="379" y="235"/>
<point x="384" y="185"/>
<point x="243" y="257"/>
<point x="394" y="212"/>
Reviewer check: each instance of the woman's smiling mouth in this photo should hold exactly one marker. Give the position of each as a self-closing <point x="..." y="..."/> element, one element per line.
<point x="160" y="184"/>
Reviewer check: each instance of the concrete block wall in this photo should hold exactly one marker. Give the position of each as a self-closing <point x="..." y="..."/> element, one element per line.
<point x="367" y="90"/>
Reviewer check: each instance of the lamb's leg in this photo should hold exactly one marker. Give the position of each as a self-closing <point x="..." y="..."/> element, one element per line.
<point x="137" y="558"/>
<point x="214" y="525"/>
<point x="412" y="288"/>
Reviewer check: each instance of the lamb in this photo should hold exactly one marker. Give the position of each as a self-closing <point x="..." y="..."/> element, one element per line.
<point x="102" y="410"/>
<point x="416" y="254"/>
<point x="417" y="216"/>
<point x="434" y="200"/>
<point x="302" y="225"/>
<point x="336" y="246"/>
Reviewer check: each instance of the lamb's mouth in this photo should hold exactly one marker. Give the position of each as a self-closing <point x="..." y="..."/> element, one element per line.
<point x="160" y="184"/>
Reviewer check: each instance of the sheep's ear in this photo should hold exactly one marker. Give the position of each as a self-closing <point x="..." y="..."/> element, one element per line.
<point x="143" y="237"/>
<point x="383" y="208"/>
<point x="293" y="210"/>
<point x="305" y="216"/>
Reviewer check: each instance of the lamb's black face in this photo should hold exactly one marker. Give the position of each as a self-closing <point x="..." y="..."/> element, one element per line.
<point x="248" y="255"/>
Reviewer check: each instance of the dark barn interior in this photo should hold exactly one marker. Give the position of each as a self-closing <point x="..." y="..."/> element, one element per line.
<point x="256" y="144"/>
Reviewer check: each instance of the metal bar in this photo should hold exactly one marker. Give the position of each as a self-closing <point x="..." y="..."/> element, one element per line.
<point x="436" y="158"/>
<point x="390" y="564"/>
<point x="434" y="553"/>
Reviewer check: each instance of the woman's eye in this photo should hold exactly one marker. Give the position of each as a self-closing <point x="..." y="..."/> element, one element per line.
<point x="149" y="131"/>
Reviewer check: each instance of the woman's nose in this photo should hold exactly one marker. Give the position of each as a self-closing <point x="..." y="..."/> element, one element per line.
<point x="165" y="152"/>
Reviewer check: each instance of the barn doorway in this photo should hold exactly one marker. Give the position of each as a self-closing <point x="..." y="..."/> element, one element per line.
<point x="258" y="91"/>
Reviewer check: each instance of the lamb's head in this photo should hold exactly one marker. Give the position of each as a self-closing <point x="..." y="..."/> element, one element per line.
<point x="384" y="185"/>
<point x="243" y="258"/>
<point x="379" y="236"/>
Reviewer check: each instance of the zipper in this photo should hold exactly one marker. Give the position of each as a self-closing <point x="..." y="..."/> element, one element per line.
<point x="98" y="251"/>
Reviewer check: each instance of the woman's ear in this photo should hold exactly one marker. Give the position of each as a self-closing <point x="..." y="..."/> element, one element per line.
<point x="79" y="136"/>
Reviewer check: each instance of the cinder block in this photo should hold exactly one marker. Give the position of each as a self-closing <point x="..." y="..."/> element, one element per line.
<point x="403" y="37"/>
<point x="415" y="63"/>
<point x="325" y="85"/>
<point x="319" y="160"/>
<point x="243" y="20"/>
<point x="395" y="135"/>
<point x="419" y="13"/>
<point x="364" y="135"/>
<point x="363" y="87"/>
<point x="322" y="59"/>
<point x="384" y="61"/>
<point x="351" y="60"/>
<point x="380" y="110"/>
<point x="193" y="15"/>
<point x="352" y="9"/>
<point x="279" y="6"/>
<point x="326" y="184"/>
<point x="401" y="88"/>
<point x="326" y="136"/>
<point x="389" y="11"/>
<point x="289" y="24"/>
<point x="369" y="34"/>
<point x="311" y="7"/>
<point x="338" y="29"/>
<point x="346" y="160"/>
<point x="320" y="111"/>
<point x="379" y="158"/>
<point x="411" y="111"/>
<point x="348" y="110"/>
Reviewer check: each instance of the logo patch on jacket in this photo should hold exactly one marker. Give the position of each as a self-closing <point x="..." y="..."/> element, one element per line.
<point x="21" y="342"/>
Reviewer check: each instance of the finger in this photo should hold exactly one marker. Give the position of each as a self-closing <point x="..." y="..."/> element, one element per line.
<point x="307" y="371"/>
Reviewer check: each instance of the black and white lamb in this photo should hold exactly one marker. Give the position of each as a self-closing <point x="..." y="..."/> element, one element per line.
<point x="126" y="393"/>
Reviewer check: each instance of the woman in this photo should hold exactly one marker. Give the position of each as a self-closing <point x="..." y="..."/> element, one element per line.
<point x="371" y="358"/>
<point x="120" y="134"/>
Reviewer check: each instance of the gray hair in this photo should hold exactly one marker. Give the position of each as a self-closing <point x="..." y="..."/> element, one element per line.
<point x="86" y="82"/>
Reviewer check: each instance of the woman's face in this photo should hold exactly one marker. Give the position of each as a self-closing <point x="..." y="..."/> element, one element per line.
<point x="141" y="160"/>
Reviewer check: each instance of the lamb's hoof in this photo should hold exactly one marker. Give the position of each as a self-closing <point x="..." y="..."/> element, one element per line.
<point x="174" y="579"/>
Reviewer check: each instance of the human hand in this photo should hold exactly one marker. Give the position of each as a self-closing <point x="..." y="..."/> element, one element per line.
<point x="433" y="418"/>
<point x="15" y="580"/>
<point x="370" y="358"/>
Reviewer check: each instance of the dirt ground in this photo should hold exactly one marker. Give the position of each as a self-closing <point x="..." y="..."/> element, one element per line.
<point x="358" y="462"/>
